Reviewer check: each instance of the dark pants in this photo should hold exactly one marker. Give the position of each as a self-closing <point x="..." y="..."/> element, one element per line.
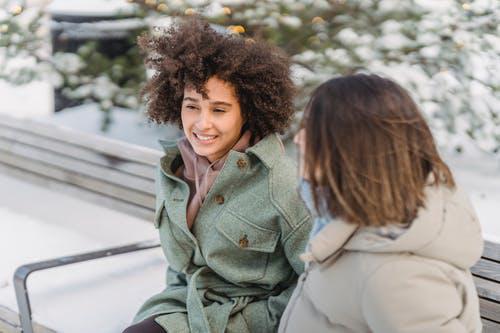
<point x="146" y="326"/>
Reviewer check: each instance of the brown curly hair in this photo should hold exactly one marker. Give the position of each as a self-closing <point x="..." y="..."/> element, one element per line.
<point x="191" y="51"/>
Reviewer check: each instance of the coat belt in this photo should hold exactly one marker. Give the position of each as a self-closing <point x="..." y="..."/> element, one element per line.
<point x="214" y="318"/>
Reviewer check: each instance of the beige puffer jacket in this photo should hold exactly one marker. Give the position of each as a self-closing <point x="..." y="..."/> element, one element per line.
<point x="359" y="281"/>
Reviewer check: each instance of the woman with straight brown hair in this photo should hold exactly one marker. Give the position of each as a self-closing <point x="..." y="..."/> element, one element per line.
<point x="393" y="238"/>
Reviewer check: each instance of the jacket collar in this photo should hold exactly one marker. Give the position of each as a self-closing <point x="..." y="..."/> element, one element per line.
<point x="170" y="147"/>
<point x="338" y="234"/>
<point x="172" y="152"/>
<point x="267" y="150"/>
<point x="447" y="219"/>
<point x="330" y="241"/>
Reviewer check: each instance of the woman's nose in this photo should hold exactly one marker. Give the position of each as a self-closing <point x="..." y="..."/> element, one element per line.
<point x="204" y="121"/>
<point x="298" y="137"/>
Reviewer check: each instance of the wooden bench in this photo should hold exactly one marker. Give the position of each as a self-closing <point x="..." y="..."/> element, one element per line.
<point x="487" y="279"/>
<point x="121" y="176"/>
<point x="107" y="172"/>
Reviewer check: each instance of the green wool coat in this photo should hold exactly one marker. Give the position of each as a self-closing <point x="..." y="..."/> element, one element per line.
<point x="236" y="269"/>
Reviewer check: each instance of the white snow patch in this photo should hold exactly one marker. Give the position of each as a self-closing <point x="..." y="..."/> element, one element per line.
<point x="347" y="36"/>
<point x="479" y="174"/>
<point x="393" y="41"/>
<point x="291" y="21"/>
<point x="30" y="100"/>
<point x="435" y="6"/>
<point x="97" y="296"/>
<point x="126" y="125"/>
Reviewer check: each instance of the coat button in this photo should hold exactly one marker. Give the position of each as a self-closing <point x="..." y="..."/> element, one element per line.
<point x="243" y="241"/>
<point x="219" y="199"/>
<point x="241" y="163"/>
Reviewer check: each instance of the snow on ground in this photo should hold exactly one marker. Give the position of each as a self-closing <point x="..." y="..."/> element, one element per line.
<point x="34" y="99"/>
<point x="97" y="296"/>
<point x="479" y="174"/>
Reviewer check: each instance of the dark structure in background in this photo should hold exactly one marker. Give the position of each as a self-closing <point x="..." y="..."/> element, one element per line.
<point x="114" y="35"/>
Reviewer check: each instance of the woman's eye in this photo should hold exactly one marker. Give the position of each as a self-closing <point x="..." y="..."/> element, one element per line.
<point x="191" y="107"/>
<point x="219" y="110"/>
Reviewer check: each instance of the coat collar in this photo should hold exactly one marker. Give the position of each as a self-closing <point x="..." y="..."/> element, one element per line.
<point x="331" y="240"/>
<point x="447" y="219"/>
<point x="339" y="235"/>
<point x="267" y="150"/>
<point x="170" y="147"/>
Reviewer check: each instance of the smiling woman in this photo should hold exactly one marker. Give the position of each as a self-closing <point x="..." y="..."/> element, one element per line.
<point x="229" y="217"/>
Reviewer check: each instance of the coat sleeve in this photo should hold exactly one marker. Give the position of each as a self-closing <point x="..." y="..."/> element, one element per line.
<point x="412" y="296"/>
<point x="273" y="307"/>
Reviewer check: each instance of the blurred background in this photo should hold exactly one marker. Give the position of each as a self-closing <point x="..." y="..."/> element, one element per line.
<point x="75" y="64"/>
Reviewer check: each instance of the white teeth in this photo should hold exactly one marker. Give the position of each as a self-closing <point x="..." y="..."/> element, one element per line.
<point x="204" y="138"/>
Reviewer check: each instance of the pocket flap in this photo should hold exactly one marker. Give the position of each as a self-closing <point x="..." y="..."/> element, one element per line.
<point x="247" y="235"/>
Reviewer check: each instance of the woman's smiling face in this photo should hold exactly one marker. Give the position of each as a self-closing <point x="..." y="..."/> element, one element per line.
<point x="213" y="125"/>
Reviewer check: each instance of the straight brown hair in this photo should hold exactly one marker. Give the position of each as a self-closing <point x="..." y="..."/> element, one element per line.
<point x="369" y="153"/>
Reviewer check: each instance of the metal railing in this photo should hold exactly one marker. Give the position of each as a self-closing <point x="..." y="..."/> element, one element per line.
<point x="23" y="272"/>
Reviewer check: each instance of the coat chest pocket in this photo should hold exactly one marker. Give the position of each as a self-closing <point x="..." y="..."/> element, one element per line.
<point x="240" y="249"/>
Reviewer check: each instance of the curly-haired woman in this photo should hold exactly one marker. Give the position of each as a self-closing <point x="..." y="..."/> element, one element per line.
<point x="230" y="220"/>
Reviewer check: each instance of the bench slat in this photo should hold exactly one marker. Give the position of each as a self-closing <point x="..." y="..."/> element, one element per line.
<point x="491" y="251"/>
<point x="78" y="166"/>
<point x="487" y="289"/>
<point x="146" y="213"/>
<point x="92" y="184"/>
<point x="95" y="142"/>
<point x="490" y="326"/>
<point x="487" y="269"/>
<point x="489" y="309"/>
<point x="79" y="152"/>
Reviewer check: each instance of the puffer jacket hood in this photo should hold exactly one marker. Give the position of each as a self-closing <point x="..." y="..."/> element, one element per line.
<point x="445" y="229"/>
